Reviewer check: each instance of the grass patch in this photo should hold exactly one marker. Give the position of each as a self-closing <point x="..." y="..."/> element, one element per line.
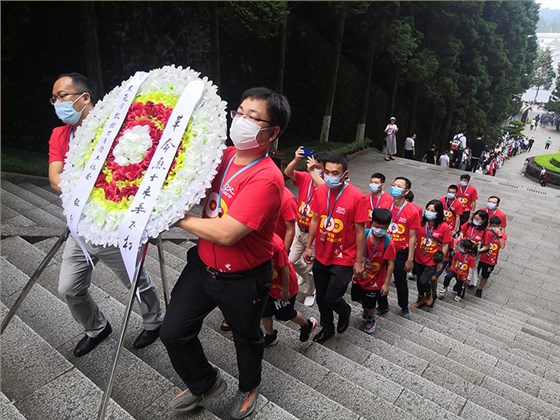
<point x="25" y="162"/>
<point x="545" y="161"/>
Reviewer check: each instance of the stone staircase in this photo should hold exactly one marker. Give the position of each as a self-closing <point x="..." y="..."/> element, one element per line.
<point x="478" y="359"/>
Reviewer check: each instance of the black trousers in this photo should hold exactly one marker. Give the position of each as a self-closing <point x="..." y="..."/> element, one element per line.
<point x="424" y="275"/>
<point x="409" y="154"/>
<point x="399" y="274"/>
<point x="194" y="296"/>
<point x="331" y="282"/>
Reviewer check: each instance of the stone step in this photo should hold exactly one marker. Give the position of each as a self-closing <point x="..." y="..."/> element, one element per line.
<point x="44" y="385"/>
<point x="39" y="216"/>
<point x="49" y="206"/>
<point x="46" y="193"/>
<point x="9" y="410"/>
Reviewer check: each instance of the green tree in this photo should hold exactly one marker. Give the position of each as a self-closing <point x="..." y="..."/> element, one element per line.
<point x="553" y="104"/>
<point x="543" y="75"/>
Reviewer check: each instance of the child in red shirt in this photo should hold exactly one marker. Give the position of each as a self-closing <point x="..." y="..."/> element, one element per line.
<point x="380" y="258"/>
<point x="282" y="297"/>
<point x="495" y="239"/>
<point x="462" y="265"/>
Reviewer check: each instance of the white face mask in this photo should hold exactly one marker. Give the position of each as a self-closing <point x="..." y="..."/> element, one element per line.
<point x="243" y="133"/>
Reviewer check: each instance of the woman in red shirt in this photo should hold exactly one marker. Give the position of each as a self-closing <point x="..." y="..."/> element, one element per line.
<point x="433" y="235"/>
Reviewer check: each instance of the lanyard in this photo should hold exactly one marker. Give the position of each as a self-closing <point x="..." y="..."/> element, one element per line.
<point x="374" y="248"/>
<point x="463" y="191"/>
<point x="223" y="187"/>
<point x="399" y="212"/>
<point x="329" y="216"/>
<point x="449" y="206"/>
<point x="377" y="203"/>
<point x="428" y="231"/>
<point x="473" y="232"/>
<point x="309" y="197"/>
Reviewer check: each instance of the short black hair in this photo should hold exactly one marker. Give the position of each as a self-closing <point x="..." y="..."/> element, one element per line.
<point x="320" y="157"/>
<point x="407" y="182"/>
<point x="496" y="197"/>
<point x="338" y="159"/>
<point x="465" y="176"/>
<point x="380" y="176"/>
<point x="83" y="84"/>
<point x="495" y="220"/>
<point x="467" y="245"/>
<point x="277" y="105"/>
<point x="409" y="196"/>
<point x="381" y="216"/>
<point x="453" y="187"/>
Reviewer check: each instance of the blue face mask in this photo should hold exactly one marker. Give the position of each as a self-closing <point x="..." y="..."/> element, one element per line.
<point x="379" y="232"/>
<point x="66" y="113"/>
<point x="491" y="206"/>
<point x="476" y="222"/>
<point x="374" y="188"/>
<point x="319" y="172"/>
<point x="450" y="196"/>
<point x="463" y="183"/>
<point x="395" y="192"/>
<point x="333" y="181"/>
<point x="430" y="215"/>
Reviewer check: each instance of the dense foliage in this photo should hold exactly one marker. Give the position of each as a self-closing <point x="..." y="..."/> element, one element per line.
<point x="436" y="66"/>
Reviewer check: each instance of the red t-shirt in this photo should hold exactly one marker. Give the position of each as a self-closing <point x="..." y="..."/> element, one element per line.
<point x="59" y="143"/>
<point x="335" y="243"/>
<point x="279" y="260"/>
<point x="491" y="256"/>
<point x="376" y="263"/>
<point x="382" y="202"/>
<point x="450" y="211"/>
<point x="496" y="212"/>
<point x="400" y="227"/>
<point x="306" y="191"/>
<point x="288" y="212"/>
<point x="253" y="198"/>
<point x="466" y="195"/>
<point x="460" y="265"/>
<point x="427" y="243"/>
<point x="471" y="232"/>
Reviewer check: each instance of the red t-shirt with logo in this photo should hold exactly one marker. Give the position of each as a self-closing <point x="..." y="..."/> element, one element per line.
<point x="375" y="263"/>
<point x="306" y="191"/>
<point x="471" y="232"/>
<point x="401" y="226"/>
<point x="460" y="265"/>
<point x="382" y="202"/>
<point x="288" y="212"/>
<point x="491" y="256"/>
<point x="335" y="243"/>
<point x="450" y="211"/>
<point x="280" y="259"/>
<point x="253" y="198"/>
<point x="59" y="143"/>
<point x="466" y="195"/>
<point x="428" y="242"/>
<point x="496" y="212"/>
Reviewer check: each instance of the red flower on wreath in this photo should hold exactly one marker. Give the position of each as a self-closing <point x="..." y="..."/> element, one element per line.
<point x="155" y="116"/>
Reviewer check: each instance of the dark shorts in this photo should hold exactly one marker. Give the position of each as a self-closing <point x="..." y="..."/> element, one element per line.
<point x="285" y="313"/>
<point x="485" y="269"/>
<point x="367" y="297"/>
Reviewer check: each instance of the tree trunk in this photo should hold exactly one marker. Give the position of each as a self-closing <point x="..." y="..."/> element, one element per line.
<point x="537" y="94"/>
<point x="412" y="116"/>
<point x="91" y="47"/>
<point x="324" y="138"/>
<point x="215" y="44"/>
<point x="282" y="52"/>
<point x="362" y="115"/>
<point x="394" y="95"/>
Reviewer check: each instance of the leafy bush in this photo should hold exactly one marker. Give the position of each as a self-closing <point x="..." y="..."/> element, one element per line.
<point x="546" y="162"/>
<point x="25" y="162"/>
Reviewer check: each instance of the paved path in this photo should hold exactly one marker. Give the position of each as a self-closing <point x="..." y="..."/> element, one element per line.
<point x="512" y="168"/>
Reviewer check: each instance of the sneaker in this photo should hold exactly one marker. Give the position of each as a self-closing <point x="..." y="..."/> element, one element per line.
<point x="271" y="340"/>
<point x="309" y="300"/>
<point x="411" y="276"/>
<point x="305" y="332"/>
<point x="370" y="325"/>
<point x="479" y="293"/>
<point x="405" y="314"/>
<point x="442" y="293"/>
<point x="225" y="326"/>
<point x="186" y="401"/>
<point x="457" y="298"/>
<point x="470" y="286"/>
<point x="244" y="404"/>
<point x="381" y="312"/>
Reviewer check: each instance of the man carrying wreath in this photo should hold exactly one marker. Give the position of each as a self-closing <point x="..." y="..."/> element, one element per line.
<point x="73" y="98"/>
<point x="231" y="266"/>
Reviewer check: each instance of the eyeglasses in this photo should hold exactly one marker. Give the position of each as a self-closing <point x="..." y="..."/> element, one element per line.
<point x="53" y="99"/>
<point x="235" y="114"/>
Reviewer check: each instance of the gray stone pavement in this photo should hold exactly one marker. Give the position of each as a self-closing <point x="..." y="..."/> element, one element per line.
<point x="526" y="277"/>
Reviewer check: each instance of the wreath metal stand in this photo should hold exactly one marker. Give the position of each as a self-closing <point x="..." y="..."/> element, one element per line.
<point x="118" y="346"/>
